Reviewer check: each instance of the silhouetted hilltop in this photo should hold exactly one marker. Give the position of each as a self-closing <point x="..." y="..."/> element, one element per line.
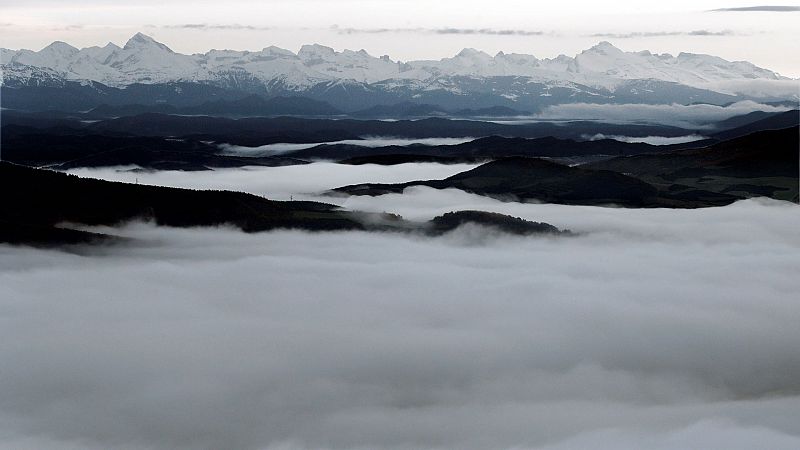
<point x="43" y="200"/>
<point x="760" y="164"/>
<point x="521" y="178"/>
<point x="767" y="121"/>
<point x="501" y="222"/>
<point x="32" y="147"/>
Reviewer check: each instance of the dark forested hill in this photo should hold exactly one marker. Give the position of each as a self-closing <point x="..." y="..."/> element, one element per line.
<point x="760" y="164"/>
<point x="763" y="163"/>
<point x="42" y="199"/>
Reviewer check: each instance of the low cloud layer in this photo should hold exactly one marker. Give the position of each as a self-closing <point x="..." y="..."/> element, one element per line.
<point x="653" y="140"/>
<point x="279" y="183"/>
<point x="368" y="141"/>
<point x="651" y="329"/>
<point x="688" y="116"/>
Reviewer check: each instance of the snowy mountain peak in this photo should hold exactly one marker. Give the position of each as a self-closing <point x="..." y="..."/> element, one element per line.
<point x="273" y="50"/>
<point x="605" y="48"/>
<point x="141" y="40"/>
<point x="472" y="53"/>
<point x="313" y="51"/>
<point x="60" y="48"/>
<point x="604" y="66"/>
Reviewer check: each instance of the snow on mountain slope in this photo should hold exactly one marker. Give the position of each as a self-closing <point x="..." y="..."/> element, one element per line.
<point x="144" y="60"/>
<point x="690" y="69"/>
<point x="348" y="65"/>
<point x="57" y="56"/>
<point x="24" y="75"/>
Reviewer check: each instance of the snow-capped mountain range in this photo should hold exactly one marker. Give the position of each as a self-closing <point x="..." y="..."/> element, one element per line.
<point x="602" y="73"/>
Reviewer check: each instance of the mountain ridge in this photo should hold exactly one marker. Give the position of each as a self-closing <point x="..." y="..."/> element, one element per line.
<point x="602" y="70"/>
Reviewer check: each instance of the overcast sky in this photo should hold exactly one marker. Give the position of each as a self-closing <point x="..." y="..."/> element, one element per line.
<point x="417" y="29"/>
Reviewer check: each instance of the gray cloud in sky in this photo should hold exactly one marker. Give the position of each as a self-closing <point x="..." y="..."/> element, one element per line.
<point x="70" y="27"/>
<point x="443" y="31"/>
<point x="646" y="34"/>
<point x="213" y="27"/>
<point x="765" y="8"/>
<point x="452" y="31"/>
<point x="487" y="31"/>
<point x="348" y="30"/>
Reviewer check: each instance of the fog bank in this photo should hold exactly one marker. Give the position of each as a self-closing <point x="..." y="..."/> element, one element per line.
<point x="651" y="329"/>
<point x="652" y="140"/>
<point x="280" y="183"/>
<point x="697" y="116"/>
<point x="367" y="141"/>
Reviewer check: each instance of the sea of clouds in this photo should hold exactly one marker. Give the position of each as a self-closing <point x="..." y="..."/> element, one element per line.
<point x="655" y="328"/>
